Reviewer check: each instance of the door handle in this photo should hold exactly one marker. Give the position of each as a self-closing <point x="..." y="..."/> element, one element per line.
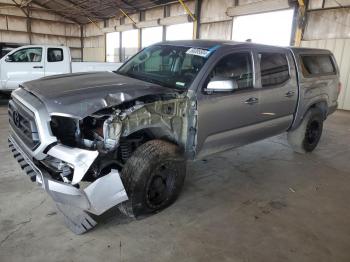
<point x="290" y="94"/>
<point x="251" y="101"/>
<point x="37" y="66"/>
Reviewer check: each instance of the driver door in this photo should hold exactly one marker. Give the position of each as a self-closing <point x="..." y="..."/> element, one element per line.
<point x="23" y="65"/>
<point x="228" y="119"/>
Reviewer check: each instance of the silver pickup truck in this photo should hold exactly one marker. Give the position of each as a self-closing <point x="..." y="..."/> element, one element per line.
<point x="98" y="140"/>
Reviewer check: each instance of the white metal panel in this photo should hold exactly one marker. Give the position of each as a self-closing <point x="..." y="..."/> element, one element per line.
<point x="94" y="54"/>
<point x="17" y="37"/>
<point x="219" y="30"/>
<point x="147" y="24"/>
<point x="94" y="41"/>
<point x="336" y="3"/>
<point x="314" y="4"/>
<point x="174" y="20"/>
<point x="154" y="13"/>
<point x="214" y="11"/>
<point x="17" y="24"/>
<point x="327" y="24"/>
<point x="341" y="51"/>
<point x="3" y="22"/>
<point x="258" y="7"/>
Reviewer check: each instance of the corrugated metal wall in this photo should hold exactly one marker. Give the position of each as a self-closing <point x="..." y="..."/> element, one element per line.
<point x="45" y="27"/>
<point x="341" y="51"/>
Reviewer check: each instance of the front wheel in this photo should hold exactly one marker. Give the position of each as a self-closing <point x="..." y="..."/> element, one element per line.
<point x="153" y="178"/>
<point x="307" y="136"/>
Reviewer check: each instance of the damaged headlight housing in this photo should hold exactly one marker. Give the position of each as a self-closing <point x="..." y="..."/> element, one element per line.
<point x="112" y="129"/>
<point x="59" y="168"/>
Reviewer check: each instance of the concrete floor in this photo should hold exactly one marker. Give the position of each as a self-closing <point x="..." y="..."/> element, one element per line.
<point x="261" y="202"/>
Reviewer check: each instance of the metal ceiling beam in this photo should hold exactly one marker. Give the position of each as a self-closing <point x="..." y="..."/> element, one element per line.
<point x="48" y="9"/>
<point x="132" y="6"/>
<point x="82" y="12"/>
<point x="83" y="8"/>
<point x="126" y="15"/>
<point x="20" y="7"/>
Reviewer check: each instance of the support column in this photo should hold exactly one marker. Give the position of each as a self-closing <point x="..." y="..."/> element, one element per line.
<point x="82" y="42"/>
<point x="197" y="23"/>
<point x="299" y="22"/>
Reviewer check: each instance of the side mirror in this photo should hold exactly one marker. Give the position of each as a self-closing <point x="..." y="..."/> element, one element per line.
<point x="9" y="58"/>
<point x="221" y="84"/>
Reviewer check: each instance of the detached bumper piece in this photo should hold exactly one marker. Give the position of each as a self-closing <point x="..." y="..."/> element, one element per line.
<point x="75" y="204"/>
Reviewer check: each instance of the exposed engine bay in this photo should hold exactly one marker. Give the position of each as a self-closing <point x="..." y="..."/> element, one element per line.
<point x="116" y="132"/>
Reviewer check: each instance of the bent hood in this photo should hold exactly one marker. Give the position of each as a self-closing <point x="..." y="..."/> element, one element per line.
<point x="82" y="94"/>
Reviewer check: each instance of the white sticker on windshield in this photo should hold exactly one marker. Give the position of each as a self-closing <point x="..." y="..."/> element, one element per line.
<point x="180" y="84"/>
<point x="198" y="52"/>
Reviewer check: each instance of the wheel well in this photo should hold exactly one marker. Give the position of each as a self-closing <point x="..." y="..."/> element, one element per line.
<point x="322" y="106"/>
<point x="130" y="143"/>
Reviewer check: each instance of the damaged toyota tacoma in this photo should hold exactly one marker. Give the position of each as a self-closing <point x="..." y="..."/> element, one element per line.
<point x="103" y="139"/>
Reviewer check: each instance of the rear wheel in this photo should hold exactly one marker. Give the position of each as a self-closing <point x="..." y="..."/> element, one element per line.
<point x="307" y="136"/>
<point x="153" y="178"/>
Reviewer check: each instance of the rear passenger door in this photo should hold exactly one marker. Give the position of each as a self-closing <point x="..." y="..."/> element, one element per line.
<point x="278" y="90"/>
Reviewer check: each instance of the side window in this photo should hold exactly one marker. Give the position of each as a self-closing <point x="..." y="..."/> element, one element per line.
<point x="27" y="55"/>
<point x="54" y="54"/>
<point x="274" y="69"/>
<point x="317" y="65"/>
<point x="237" y="67"/>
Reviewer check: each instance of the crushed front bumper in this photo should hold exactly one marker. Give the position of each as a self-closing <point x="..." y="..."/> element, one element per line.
<point x="75" y="204"/>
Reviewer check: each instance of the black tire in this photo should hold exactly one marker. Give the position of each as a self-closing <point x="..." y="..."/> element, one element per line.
<point x="307" y="136"/>
<point x="153" y="178"/>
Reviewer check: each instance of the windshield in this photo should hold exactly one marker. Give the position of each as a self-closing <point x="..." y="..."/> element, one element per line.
<point x="169" y="66"/>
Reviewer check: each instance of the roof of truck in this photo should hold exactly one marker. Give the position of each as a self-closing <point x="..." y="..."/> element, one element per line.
<point x="211" y="43"/>
<point x="207" y="44"/>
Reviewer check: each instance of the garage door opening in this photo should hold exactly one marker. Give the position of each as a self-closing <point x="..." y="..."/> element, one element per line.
<point x="272" y="28"/>
<point x="112" y="47"/>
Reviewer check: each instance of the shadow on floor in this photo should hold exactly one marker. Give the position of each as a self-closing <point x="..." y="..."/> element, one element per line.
<point x="4" y="99"/>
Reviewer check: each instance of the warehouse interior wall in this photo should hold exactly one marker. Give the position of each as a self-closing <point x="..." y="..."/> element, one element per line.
<point x="327" y="26"/>
<point x="39" y="27"/>
<point x="94" y="42"/>
<point x="330" y="29"/>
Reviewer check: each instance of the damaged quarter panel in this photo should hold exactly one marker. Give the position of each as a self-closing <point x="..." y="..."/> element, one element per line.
<point x="169" y="117"/>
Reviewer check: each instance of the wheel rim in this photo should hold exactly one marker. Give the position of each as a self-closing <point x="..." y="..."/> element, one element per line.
<point x="313" y="132"/>
<point x="161" y="185"/>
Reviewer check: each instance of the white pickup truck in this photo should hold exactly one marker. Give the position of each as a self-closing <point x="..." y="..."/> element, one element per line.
<point x="35" y="61"/>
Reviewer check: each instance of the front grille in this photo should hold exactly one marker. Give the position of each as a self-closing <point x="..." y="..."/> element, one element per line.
<point x="22" y="120"/>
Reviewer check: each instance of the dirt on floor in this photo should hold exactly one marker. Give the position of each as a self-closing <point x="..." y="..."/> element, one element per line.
<point x="261" y="202"/>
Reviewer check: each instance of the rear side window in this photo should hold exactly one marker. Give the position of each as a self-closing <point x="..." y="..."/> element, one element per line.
<point x="274" y="69"/>
<point x="54" y="54"/>
<point x="315" y="65"/>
